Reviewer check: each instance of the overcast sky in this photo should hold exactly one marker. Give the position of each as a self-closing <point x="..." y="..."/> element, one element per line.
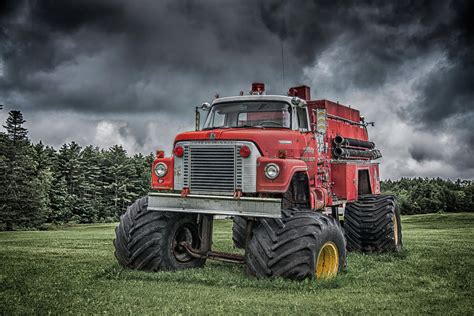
<point x="130" y="72"/>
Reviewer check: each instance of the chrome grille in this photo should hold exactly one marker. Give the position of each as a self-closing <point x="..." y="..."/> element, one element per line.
<point x="212" y="167"/>
<point x="186" y="167"/>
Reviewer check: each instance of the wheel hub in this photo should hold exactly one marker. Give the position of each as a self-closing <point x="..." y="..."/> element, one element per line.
<point x="187" y="235"/>
<point x="395" y="229"/>
<point x="327" y="261"/>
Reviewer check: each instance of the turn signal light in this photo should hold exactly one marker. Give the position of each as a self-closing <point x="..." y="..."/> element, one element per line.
<point x="244" y="151"/>
<point x="178" y="151"/>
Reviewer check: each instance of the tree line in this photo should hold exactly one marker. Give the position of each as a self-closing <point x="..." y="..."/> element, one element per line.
<point x="40" y="185"/>
<point x="424" y="195"/>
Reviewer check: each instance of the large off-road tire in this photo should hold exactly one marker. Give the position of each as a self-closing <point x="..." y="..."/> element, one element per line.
<point x="372" y="224"/>
<point x="149" y="240"/>
<point x="239" y="230"/>
<point x="294" y="197"/>
<point x="302" y="244"/>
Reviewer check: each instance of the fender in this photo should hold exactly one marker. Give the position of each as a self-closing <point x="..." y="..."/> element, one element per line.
<point x="288" y="168"/>
<point x="166" y="182"/>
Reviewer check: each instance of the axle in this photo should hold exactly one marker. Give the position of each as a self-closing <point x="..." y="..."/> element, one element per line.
<point x="214" y="255"/>
<point x="205" y="247"/>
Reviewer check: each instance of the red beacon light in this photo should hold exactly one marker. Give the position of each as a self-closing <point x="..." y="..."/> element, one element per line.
<point x="160" y="154"/>
<point x="258" y="88"/>
<point x="178" y="151"/>
<point x="244" y="151"/>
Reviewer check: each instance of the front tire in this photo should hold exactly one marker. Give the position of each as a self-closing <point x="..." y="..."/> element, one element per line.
<point x="302" y="244"/>
<point x="372" y="224"/>
<point x="239" y="229"/>
<point x="149" y="240"/>
<point x="295" y="197"/>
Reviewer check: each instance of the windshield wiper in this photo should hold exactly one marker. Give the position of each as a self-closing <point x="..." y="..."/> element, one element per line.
<point x="227" y="127"/>
<point x="216" y="127"/>
<point x="248" y="126"/>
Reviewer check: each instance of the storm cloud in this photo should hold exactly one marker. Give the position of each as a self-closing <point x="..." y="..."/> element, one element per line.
<point x="131" y="72"/>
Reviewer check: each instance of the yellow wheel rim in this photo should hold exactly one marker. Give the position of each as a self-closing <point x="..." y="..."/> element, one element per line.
<point x="327" y="262"/>
<point x="395" y="229"/>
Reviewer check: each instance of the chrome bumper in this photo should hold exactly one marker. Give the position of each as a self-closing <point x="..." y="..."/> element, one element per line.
<point x="215" y="204"/>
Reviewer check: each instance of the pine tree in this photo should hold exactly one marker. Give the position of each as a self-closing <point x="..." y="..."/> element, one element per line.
<point x="4" y="208"/>
<point x="90" y="197"/>
<point x="15" y="130"/>
<point x="143" y="170"/>
<point x="22" y="199"/>
<point x="69" y="167"/>
<point x="120" y="175"/>
<point x="60" y="210"/>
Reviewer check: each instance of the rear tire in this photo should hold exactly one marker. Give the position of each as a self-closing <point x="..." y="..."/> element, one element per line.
<point x="372" y="224"/>
<point x="302" y="244"/>
<point x="149" y="240"/>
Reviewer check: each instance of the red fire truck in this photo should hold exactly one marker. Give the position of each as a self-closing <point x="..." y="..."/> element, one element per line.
<point x="297" y="175"/>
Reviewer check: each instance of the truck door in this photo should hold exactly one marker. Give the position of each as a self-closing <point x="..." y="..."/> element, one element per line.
<point x="308" y="147"/>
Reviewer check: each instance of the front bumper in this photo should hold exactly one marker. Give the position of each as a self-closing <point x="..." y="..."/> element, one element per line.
<point x="214" y="204"/>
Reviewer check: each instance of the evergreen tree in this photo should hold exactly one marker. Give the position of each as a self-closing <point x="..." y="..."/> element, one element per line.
<point x="141" y="184"/>
<point x="90" y="195"/>
<point x="60" y="211"/>
<point x="4" y="163"/>
<point x="69" y="167"/>
<point x="121" y="177"/>
<point x="22" y="198"/>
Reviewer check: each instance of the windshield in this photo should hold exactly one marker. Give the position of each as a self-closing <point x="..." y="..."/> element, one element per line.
<point x="249" y="114"/>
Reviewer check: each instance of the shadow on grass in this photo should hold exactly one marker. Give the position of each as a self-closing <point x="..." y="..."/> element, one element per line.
<point x="234" y="276"/>
<point x="222" y="275"/>
<point x="372" y="262"/>
<point x="391" y="256"/>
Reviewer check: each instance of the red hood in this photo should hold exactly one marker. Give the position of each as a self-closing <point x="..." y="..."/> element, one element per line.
<point x="268" y="140"/>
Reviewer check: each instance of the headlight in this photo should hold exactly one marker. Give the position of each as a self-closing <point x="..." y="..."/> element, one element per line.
<point x="272" y="171"/>
<point x="161" y="169"/>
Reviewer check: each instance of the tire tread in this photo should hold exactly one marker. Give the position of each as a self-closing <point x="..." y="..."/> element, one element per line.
<point x="369" y="226"/>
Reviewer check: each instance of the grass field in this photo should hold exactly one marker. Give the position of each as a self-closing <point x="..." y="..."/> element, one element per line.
<point x="74" y="271"/>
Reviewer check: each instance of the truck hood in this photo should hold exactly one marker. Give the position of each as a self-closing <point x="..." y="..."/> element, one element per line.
<point x="268" y="140"/>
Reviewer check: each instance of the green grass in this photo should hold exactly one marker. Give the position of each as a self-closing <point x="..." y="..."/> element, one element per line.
<point x="74" y="271"/>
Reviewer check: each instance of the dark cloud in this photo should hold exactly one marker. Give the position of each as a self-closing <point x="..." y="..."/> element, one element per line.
<point x="117" y="59"/>
<point x="451" y="90"/>
<point x="421" y="151"/>
<point x="180" y="47"/>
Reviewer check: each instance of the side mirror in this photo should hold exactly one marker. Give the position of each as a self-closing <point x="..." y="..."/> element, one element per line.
<point x="298" y="102"/>
<point x="204" y="107"/>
